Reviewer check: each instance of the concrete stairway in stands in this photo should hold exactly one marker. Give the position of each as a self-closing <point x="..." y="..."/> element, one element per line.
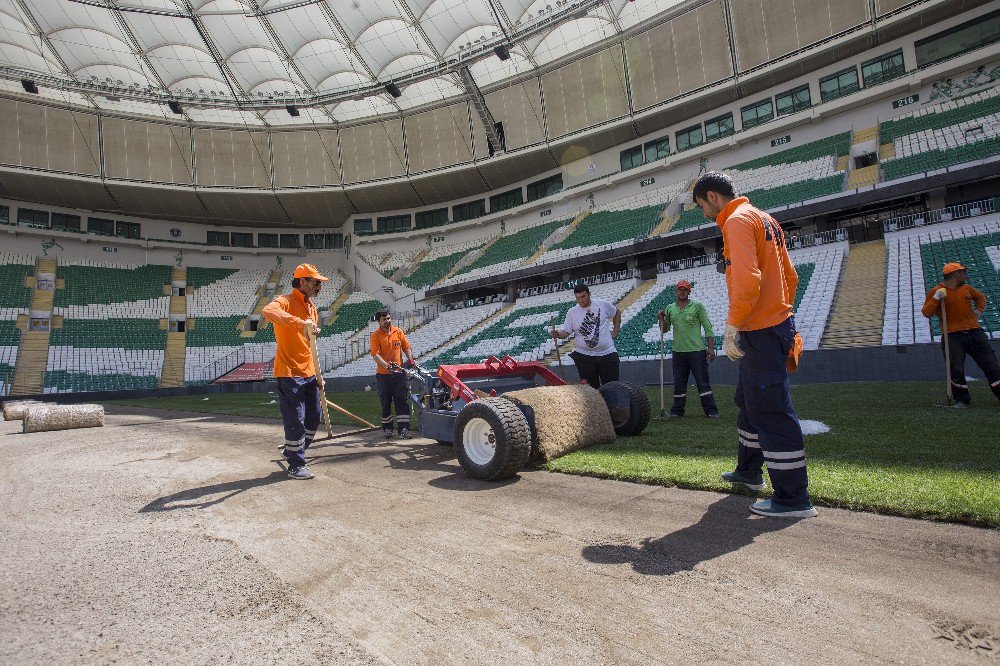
<point x="172" y="372"/>
<point x="869" y="175"/>
<point x="862" y="177"/>
<point x="554" y="239"/>
<point x="33" y="354"/>
<point x="859" y="306"/>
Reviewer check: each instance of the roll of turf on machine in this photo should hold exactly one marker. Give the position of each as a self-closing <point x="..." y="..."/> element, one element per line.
<point x="499" y="413"/>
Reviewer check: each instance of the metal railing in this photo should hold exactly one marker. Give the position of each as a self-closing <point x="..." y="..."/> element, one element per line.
<point x="690" y="262"/>
<point x="818" y="238"/>
<point x="949" y="214"/>
<point x="796" y="242"/>
<point x="473" y="302"/>
<point x="614" y="276"/>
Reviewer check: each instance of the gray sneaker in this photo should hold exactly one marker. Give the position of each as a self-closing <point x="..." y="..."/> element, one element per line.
<point x="300" y="473"/>
<point x="387" y="433"/>
<point x="405" y="434"/>
<point x="769" y="508"/>
<point x="738" y="479"/>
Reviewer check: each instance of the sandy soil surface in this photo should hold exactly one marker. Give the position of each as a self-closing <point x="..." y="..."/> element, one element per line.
<point x="176" y="538"/>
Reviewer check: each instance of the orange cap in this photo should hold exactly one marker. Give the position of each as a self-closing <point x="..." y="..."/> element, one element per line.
<point x="308" y="271"/>
<point x="684" y="283"/>
<point x="951" y="267"/>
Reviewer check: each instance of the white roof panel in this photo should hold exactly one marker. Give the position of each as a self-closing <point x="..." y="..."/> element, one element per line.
<point x="324" y="53"/>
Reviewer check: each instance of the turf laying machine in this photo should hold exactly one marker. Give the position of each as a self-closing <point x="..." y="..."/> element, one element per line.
<point x="499" y="413"/>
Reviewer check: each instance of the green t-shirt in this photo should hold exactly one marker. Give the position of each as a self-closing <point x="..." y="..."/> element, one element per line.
<point x="687" y="325"/>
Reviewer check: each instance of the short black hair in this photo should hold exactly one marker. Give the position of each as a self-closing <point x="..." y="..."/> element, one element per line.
<point x="296" y="282"/>
<point x="714" y="181"/>
<point x="581" y="289"/>
<point x="384" y="312"/>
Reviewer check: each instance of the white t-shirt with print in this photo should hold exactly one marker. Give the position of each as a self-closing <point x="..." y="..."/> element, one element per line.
<point x="592" y="327"/>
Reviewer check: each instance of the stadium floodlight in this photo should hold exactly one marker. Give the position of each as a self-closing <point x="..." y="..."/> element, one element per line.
<point x="393" y="89"/>
<point x="502" y="52"/>
<point x="29" y="86"/>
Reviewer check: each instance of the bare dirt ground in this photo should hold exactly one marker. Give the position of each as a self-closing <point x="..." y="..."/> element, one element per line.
<point x="176" y="538"/>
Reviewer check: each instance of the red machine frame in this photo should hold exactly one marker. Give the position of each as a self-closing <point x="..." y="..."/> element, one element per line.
<point x="452" y="375"/>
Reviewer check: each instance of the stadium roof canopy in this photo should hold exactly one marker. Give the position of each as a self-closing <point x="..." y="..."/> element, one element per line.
<point x="245" y="61"/>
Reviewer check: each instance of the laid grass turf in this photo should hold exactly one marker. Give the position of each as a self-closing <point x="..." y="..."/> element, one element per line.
<point x="890" y="449"/>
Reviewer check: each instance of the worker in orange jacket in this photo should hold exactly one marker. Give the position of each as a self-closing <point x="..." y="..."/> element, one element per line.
<point x="963" y="307"/>
<point x="387" y="344"/>
<point x="760" y="335"/>
<point x="300" y="382"/>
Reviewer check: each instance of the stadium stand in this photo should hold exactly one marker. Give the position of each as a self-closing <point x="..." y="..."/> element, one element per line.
<point x="521" y="332"/>
<point x="818" y="274"/>
<point x="219" y="293"/>
<point x="448" y="325"/>
<point x="797" y="174"/>
<point x="387" y="263"/>
<point x="914" y="261"/>
<point x="15" y="299"/>
<point x="508" y="253"/>
<point x="113" y="330"/>
<point x="615" y="224"/>
<point x="437" y="263"/>
<point x="89" y="283"/>
<point x="961" y="130"/>
<point x="344" y="338"/>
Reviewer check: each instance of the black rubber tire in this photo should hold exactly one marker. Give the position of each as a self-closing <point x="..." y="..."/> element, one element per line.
<point x="634" y="418"/>
<point x="512" y="439"/>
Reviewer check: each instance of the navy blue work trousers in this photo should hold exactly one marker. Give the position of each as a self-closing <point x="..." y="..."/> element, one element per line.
<point x="692" y="363"/>
<point x="300" y="412"/>
<point x="972" y="343"/>
<point x="767" y="426"/>
<point x="392" y="391"/>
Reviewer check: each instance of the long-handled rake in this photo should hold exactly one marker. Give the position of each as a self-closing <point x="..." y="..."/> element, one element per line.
<point x="319" y="375"/>
<point x="562" y="373"/>
<point x="663" y="409"/>
<point x="947" y="353"/>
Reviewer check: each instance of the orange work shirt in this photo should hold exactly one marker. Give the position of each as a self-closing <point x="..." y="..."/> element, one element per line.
<point x="760" y="277"/>
<point x="958" y="307"/>
<point x="289" y="314"/>
<point x="389" y="346"/>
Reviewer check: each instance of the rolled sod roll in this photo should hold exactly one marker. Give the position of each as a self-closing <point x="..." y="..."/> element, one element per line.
<point x="13" y="410"/>
<point x="567" y="418"/>
<point x="40" y="418"/>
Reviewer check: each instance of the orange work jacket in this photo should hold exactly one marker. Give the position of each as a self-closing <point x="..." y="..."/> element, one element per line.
<point x="760" y="277"/>
<point x="288" y="314"/>
<point x="958" y="307"/>
<point x="389" y="346"/>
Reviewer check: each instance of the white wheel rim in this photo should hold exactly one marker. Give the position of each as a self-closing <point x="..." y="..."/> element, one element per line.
<point x="479" y="441"/>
